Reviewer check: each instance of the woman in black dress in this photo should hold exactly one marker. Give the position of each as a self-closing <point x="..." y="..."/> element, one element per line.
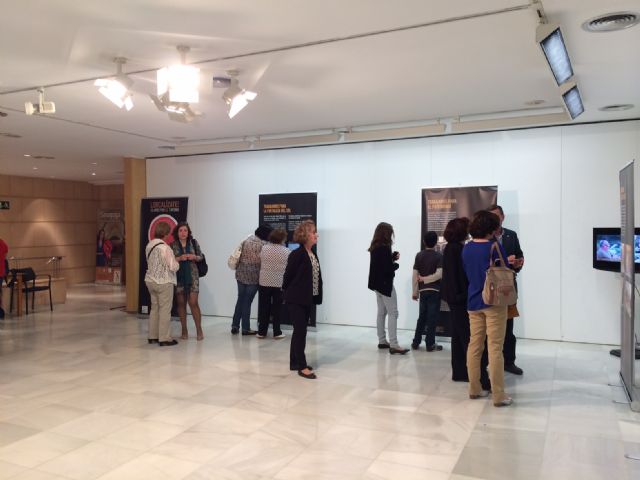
<point x="302" y="285"/>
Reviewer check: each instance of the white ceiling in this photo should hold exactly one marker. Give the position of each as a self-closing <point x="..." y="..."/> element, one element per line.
<point x="465" y="67"/>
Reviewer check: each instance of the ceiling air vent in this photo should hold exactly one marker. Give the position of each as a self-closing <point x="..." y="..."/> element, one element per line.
<point x="611" y="22"/>
<point x="616" y="108"/>
<point x="9" y="135"/>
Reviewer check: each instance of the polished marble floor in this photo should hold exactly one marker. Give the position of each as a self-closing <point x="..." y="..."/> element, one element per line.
<point x="83" y="396"/>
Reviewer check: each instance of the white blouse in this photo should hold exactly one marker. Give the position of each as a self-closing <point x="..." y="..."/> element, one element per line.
<point x="161" y="263"/>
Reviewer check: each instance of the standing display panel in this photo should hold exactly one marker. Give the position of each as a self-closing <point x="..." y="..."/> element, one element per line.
<point x="627" y="270"/>
<point x="439" y="206"/>
<point x="153" y="211"/>
<point x="287" y="211"/>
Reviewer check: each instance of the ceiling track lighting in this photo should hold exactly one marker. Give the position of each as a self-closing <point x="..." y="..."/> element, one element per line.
<point x="572" y="99"/>
<point x="42" y="107"/>
<point x="235" y="97"/>
<point x="177" y="111"/>
<point x="549" y="37"/>
<point x="117" y="89"/>
<point x="179" y="82"/>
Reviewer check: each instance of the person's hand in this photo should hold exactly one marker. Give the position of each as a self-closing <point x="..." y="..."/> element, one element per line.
<point x="519" y="263"/>
<point x="414" y="297"/>
<point x="512" y="260"/>
<point x="396" y="256"/>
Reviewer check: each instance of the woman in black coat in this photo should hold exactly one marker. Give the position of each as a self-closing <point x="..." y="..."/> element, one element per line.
<point x="382" y="269"/>
<point x="454" y="292"/>
<point x="302" y="286"/>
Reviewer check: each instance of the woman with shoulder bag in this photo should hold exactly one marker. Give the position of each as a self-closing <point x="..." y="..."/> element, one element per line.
<point x="485" y="321"/>
<point x="187" y="251"/>
<point x="160" y="280"/>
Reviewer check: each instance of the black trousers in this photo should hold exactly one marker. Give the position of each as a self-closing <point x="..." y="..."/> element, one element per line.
<point x="269" y="303"/>
<point x="460" y="335"/>
<point x="509" y="347"/>
<point x="299" y="316"/>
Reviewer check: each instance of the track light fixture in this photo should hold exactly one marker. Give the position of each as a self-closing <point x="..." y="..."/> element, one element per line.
<point x="117" y="88"/>
<point x="550" y="39"/>
<point x="42" y="107"/>
<point x="572" y="99"/>
<point x="235" y="97"/>
<point x="181" y="81"/>
<point x="177" y="111"/>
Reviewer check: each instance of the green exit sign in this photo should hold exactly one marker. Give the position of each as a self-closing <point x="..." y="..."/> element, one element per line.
<point x="5" y="204"/>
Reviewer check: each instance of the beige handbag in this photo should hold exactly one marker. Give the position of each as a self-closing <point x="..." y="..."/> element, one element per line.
<point x="234" y="258"/>
<point x="499" y="284"/>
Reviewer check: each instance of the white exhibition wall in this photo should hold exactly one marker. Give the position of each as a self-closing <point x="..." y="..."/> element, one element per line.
<point x="555" y="185"/>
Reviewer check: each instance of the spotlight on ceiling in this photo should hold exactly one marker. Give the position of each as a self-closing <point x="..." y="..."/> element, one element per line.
<point x="177" y="111"/>
<point x="180" y="82"/>
<point x="235" y="97"/>
<point x="572" y="100"/>
<point x="117" y="88"/>
<point x="42" y="107"/>
<point x="549" y="37"/>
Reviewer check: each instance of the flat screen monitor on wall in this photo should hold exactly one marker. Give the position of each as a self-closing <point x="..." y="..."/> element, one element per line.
<point x="607" y="249"/>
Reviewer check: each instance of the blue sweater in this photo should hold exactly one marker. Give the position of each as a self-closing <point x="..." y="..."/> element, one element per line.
<point x="475" y="258"/>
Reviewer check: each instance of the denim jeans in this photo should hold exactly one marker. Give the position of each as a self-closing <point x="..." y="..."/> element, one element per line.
<point x="429" y="313"/>
<point x="246" y="293"/>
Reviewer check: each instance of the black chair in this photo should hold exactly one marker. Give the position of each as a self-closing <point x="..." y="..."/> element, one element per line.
<point x="29" y="278"/>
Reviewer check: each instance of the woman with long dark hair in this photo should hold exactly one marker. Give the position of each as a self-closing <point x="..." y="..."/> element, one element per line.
<point x="187" y="251"/>
<point x="454" y="292"/>
<point x="302" y="285"/>
<point x="382" y="267"/>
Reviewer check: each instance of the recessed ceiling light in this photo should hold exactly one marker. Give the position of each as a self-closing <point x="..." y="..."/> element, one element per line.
<point x="94" y="163"/>
<point x="35" y="168"/>
<point x="611" y="22"/>
<point x="93" y="174"/>
<point x="533" y="103"/>
<point x="616" y="107"/>
<point x="27" y="155"/>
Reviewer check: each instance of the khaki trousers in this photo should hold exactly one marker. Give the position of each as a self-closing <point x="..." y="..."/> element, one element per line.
<point x="160" y="316"/>
<point x="490" y="323"/>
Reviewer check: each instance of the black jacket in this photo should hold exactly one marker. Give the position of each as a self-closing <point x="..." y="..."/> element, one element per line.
<point x="382" y="269"/>
<point x="511" y="244"/>
<point x="454" y="279"/>
<point x="298" y="279"/>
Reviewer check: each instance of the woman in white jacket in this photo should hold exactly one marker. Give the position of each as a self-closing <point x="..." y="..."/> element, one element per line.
<point x="160" y="280"/>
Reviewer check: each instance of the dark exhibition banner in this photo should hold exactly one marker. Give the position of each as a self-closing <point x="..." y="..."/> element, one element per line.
<point x="439" y="206"/>
<point x="288" y="210"/>
<point x="153" y="211"/>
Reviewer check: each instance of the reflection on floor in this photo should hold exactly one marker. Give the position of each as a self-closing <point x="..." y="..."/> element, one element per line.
<point x="83" y="396"/>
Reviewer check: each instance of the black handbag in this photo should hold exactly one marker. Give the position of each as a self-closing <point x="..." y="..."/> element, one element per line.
<point x="203" y="268"/>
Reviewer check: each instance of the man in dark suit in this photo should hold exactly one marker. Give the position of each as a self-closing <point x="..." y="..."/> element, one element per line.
<point x="515" y="257"/>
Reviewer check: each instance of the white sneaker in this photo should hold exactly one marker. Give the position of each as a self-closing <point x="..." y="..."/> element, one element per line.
<point x="259" y="336"/>
<point x="278" y="337"/>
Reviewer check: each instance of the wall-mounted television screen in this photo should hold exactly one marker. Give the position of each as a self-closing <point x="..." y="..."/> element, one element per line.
<point x="607" y="249"/>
